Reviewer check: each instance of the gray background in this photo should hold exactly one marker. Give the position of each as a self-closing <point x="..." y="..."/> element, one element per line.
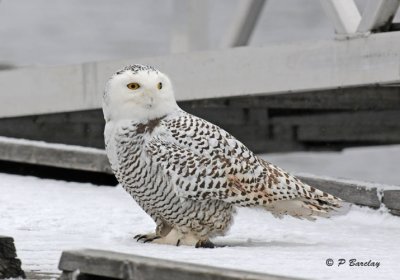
<point x="73" y="31"/>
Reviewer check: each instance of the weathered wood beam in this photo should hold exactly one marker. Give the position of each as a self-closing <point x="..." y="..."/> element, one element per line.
<point x="350" y="192"/>
<point x="387" y="134"/>
<point x="56" y="155"/>
<point x="243" y="24"/>
<point x="287" y="68"/>
<point x="343" y="14"/>
<point x="364" y="126"/>
<point x="389" y="117"/>
<point x="391" y="199"/>
<point x="92" y="263"/>
<point x="378" y="15"/>
<point x="373" y="98"/>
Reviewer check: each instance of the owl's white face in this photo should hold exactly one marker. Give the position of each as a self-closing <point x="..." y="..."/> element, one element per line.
<point x="138" y="93"/>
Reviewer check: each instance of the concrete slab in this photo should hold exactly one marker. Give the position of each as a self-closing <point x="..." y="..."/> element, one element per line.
<point x="92" y="263"/>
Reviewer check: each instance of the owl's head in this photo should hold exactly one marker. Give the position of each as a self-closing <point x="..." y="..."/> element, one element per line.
<point x="138" y="92"/>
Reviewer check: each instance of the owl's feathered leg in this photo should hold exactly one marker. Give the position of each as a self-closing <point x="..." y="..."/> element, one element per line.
<point x="176" y="237"/>
<point x="166" y="234"/>
<point x="172" y="238"/>
<point x="162" y="229"/>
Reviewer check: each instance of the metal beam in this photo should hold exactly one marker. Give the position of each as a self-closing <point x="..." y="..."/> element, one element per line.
<point x="344" y="15"/>
<point x="240" y="30"/>
<point x="233" y="72"/>
<point x="189" y="30"/>
<point x="378" y="15"/>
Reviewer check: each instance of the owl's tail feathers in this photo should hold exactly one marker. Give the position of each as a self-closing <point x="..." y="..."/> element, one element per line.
<point x="305" y="208"/>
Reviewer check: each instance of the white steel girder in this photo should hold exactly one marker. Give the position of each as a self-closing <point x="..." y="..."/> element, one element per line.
<point x="294" y="67"/>
<point x="344" y="14"/>
<point x="378" y="14"/>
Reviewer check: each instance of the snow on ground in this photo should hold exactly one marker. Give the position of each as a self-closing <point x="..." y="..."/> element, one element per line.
<point x="48" y="216"/>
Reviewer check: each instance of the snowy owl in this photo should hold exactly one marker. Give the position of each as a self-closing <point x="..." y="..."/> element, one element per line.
<point x="186" y="173"/>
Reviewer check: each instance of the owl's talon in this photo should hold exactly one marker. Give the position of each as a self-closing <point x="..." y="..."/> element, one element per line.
<point x="151" y="239"/>
<point x="204" y="244"/>
<point x="145" y="238"/>
<point x="141" y="236"/>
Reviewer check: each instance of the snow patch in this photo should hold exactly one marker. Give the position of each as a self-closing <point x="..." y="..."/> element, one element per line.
<point x="47" y="216"/>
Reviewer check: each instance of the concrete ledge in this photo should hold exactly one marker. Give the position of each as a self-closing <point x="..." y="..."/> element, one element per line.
<point x="350" y="192"/>
<point x="56" y="155"/>
<point x="94" y="263"/>
<point x="391" y="198"/>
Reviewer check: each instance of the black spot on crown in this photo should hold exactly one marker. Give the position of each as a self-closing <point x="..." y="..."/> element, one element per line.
<point x="135" y="68"/>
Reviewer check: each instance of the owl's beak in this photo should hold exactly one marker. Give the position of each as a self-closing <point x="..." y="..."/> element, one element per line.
<point x="149" y="98"/>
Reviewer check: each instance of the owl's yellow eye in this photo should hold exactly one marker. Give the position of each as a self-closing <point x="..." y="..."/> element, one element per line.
<point x="159" y="86"/>
<point x="133" y="86"/>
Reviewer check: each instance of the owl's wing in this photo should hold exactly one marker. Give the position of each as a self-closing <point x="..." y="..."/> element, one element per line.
<point x="205" y="162"/>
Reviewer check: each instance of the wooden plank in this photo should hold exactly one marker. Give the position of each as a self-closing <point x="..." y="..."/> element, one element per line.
<point x="58" y="173"/>
<point x="57" y="155"/>
<point x="350" y="192"/>
<point x="363" y="126"/>
<point x="226" y="116"/>
<point x="274" y="146"/>
<point x="395" y="212"/>
<point x="78" y="128"/>
<point x="351" y="132"/>
<point x="343" y="14"/>
<point x="72" y="133"/>
<point x="389" y="117"/>
<point x="241" y="115"/>
<point x="391" y="198"/>
<point x="125" y="266"/>
<point x="358" y="98"/>
<point x="355" y="98"/>
<point x="378" y="15"/>
<point x="273" y="69"/>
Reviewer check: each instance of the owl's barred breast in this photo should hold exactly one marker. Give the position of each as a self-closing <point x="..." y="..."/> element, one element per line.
<point x="152" y="187"/>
